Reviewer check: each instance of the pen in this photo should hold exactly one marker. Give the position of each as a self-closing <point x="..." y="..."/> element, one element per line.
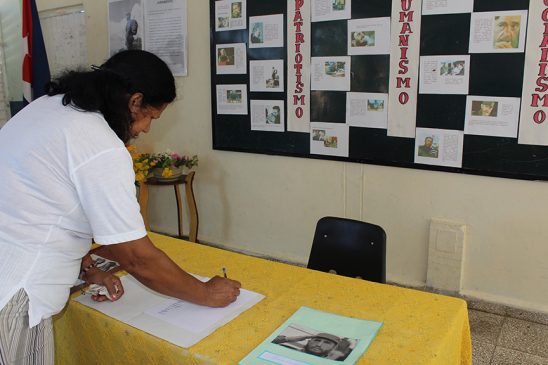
<point x="224" y="272"/>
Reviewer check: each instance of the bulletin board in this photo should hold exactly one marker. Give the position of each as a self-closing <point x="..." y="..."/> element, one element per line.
<point x="490" y="75"/>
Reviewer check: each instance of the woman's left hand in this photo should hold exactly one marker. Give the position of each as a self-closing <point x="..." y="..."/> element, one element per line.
<point x="110" y="281"/>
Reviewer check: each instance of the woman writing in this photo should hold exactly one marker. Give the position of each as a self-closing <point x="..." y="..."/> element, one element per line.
<point x="68" y="178"/>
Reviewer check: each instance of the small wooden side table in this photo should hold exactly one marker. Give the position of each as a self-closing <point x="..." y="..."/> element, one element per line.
<point x="187" y="180"/>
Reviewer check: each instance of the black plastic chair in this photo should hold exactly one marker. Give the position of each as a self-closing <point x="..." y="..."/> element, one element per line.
<point x="350" y="248"/>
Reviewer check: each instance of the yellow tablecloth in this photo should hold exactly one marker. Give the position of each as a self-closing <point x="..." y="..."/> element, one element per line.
<point x="419" y="328"/>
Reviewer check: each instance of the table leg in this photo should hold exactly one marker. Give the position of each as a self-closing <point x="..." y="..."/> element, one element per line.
<point x="193" y="210"/>
<point x="179" y="210"/>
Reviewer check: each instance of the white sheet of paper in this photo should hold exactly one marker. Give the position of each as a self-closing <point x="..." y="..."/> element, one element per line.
<point x="266" y="31"/>
<point x="431" y="7"/>
<point x="323" y="10"/>
<point x="444" y="74"/>
<point x="231" y="58"/>
<point x="266" y="75"/>
<point x="230" y="15"/>
<point x="369" y="36"/>
<point x="492" y="116"/>
<point x="329" y="139"/>
<point x="267" y="115"/>
<point x="367" y="110"/>
<point x="232" y="99"/>
<point x="330" y="73"/>
<point x="140" y="307"/>
<point x="166" y="33"/>
<point x="498" y="32"/>
<point x="442" y="147"/>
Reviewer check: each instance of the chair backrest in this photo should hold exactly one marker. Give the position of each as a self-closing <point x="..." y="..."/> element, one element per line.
<point x="350" y="248"/>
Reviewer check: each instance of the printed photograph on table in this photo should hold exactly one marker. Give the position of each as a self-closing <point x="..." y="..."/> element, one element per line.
<point x="325" y="345"/>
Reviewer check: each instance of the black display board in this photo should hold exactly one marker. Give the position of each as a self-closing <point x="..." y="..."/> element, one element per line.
<point x="494" y="74"/>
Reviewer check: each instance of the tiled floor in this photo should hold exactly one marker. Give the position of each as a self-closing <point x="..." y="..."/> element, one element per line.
<point x="507" y="336"/>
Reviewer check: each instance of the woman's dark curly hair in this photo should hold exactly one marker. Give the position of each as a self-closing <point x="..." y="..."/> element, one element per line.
<point x="107" y="88"/>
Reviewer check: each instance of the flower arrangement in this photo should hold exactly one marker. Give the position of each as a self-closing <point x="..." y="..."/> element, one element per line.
<point x="163" y="165"/>
<point x="171" y="163"/>
<point x="142" y="163"/>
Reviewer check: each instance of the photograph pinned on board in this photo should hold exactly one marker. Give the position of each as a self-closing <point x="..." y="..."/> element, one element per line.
<point x="272" y="114"/>
<point x="321" y="344"/>
<point x="330" y="142"/>
<point x="334" y="68"/>
<point x="452" y="68"/>
<point x="318" y="135"/>
<point x="375" y="105"/>
<point x="223" y="22"/>
<point x="506" y="31"/>
<point x="274" y="81"/>
<point x="363" y="39"/>
<point x="234" y="96"/>
<point x="485" y="108"/>
<point x="236" y="10"/>
<point x="339" y="5"/>
<point x="225" y="56"/>
<point x="430" y="148"/>
<point x="257" y="33"/>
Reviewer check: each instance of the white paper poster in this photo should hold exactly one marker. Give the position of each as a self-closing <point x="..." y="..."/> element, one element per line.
<point x="230" y="15"/>
<point x="431" y="7"/>
<point x="329" y="139"/>
<point x="125" y="25"/>
<point x="266" y="31"/>
<point x="166" y="33"/>
<point x="298" y="66"/>
<point x="441" y="147"/>
<point x="404" y="68"/>
<point x="492" y="116"/>
<point x="498" y="32"/>
<point x="369" y="36"/>
<point x="267" y="75"/>
<point x="231" y="58"/>
<point x="267" y="115"/>
<point x="533" y="125"/>
<point x="323" y="10"/>
<point x="232" y="99"/>
<point x="444" y="74"/>
<point x="367" y="110"/>
<point x="330" y="73"/>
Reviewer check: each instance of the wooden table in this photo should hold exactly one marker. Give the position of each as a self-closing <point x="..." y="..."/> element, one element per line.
<point x="188" y="181"/>
<point x="419" y="328"/>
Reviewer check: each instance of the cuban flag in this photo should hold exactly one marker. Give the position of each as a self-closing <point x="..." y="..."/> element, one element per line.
<point x="35" y="62"/>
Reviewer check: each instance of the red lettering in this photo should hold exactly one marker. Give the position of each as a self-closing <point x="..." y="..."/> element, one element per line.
<point x="298" y="26"/>
<point x="299" y="78"/>
<point x="539" y="117"/>
<point x="403" y="98"/>
<point x="403" y="53"/>
<point x="403" y="67"/>
<point x="544" y="42"/>
<point x="544" y="15"/>
<point x="542" y="69"/>
<point x="542" y="86"/>
<point x="537" y="98"/>
<point x="298" y="48"/>
<point x="405" y="82"/>
<point x="406" y="4"/>
<point x="299" y="4"/>
<point x="299" y="38"/>
<point x="544" y="55"/>
<point x="408" y="15"/>
<point x="298" y="59"/>
<point x="404" y="41"/>
<point x="406" y="28"/>
<point x="298" y="17"/>
<point x="299" y="112"/>
<point x="298" y="100"/>
<point x="298" y="87"/>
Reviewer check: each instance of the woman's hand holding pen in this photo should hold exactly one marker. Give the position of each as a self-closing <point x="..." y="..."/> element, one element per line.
<point x="221" y="291"/>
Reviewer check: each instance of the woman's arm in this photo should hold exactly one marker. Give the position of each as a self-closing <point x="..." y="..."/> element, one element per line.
<point x="156" y="270"/>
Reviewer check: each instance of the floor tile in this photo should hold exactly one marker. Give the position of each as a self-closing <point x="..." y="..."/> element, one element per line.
<point x="484" y="306"/>
<point x="504" y="356"/>
<point x="485" y="327"/>
<point x="482" y="352"/>
<point x="525" y="336"/>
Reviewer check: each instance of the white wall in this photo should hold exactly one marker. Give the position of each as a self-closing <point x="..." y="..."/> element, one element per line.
<point x="269" y="205"/>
